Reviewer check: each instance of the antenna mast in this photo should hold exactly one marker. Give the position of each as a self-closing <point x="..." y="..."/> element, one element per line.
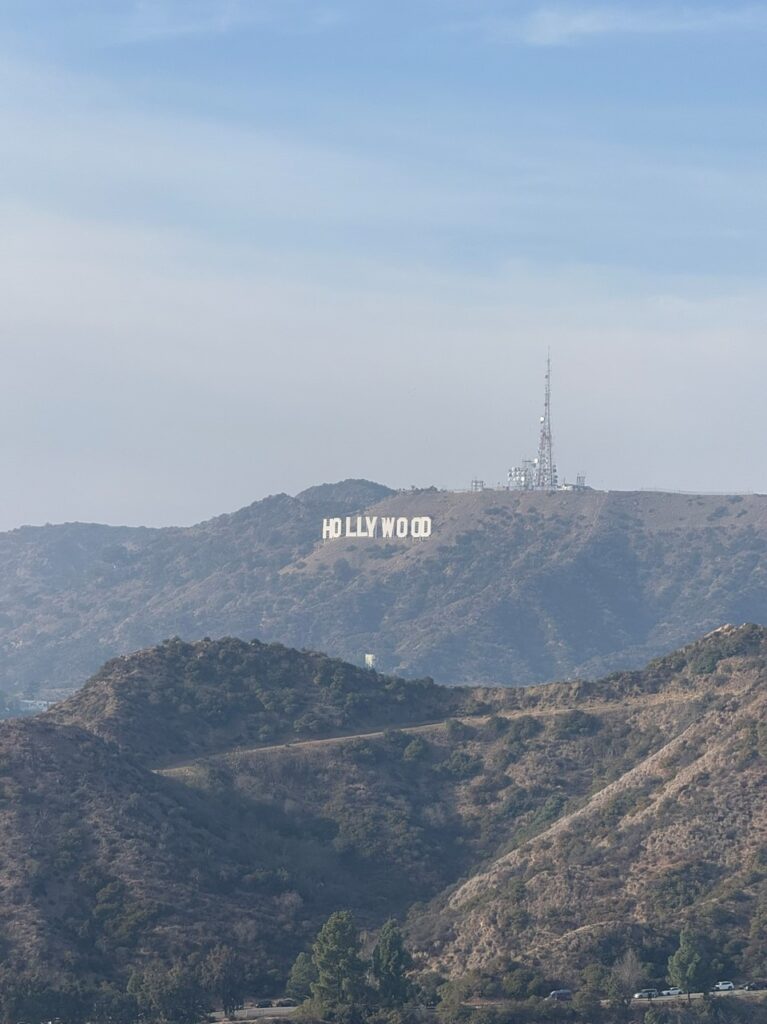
<point x="545" y="470"/>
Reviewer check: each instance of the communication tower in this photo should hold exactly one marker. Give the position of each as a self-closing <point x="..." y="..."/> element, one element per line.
<point x="545" y="470"/>
<point x="539" y="474"/>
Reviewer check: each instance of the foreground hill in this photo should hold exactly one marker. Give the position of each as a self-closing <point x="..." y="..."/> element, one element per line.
<point x="106" y="865"/>
<point x="551" y="826"/>
<point x="182" y="700"/>
<point x="509" y="589"/>
<point x="677" y="835"/>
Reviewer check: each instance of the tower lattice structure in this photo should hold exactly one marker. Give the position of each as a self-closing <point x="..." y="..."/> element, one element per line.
<point x="545" y="470"/>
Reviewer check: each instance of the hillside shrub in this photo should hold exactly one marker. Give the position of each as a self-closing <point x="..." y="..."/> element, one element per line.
<point x="573" y="724"/>
<point x="460" y="765"/>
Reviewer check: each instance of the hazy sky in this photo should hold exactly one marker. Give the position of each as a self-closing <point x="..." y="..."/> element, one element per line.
<point x="252" y="245"/>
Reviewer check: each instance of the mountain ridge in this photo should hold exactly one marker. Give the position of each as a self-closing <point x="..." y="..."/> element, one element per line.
<point x="511" y="588"/>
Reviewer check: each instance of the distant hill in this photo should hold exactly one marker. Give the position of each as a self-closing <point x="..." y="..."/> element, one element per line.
<point x="548" y="826"/>
<point x="510" y="588"/>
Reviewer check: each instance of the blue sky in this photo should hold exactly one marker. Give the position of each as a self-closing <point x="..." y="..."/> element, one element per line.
<point x="249" y="246"/>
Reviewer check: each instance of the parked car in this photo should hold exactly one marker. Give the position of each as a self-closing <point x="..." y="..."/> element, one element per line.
<point x="560" y="994"/>
<point x="672" y="992"/>
<point x="754" y="986"/>
<point x="263" y="1003"/>
<point x="647" y="993"/>
<point x="724" y="986"/>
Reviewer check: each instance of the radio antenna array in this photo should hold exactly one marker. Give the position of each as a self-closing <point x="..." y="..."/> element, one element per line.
<point x="545" y="470"/>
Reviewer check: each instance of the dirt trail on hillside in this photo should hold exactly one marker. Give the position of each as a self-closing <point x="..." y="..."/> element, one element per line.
<point x="599" y="707"/>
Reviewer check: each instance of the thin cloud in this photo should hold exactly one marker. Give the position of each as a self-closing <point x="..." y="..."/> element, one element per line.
<point x="562" y="26"/>
<point x="150" y="19"/>
<point x="162" y="19"/>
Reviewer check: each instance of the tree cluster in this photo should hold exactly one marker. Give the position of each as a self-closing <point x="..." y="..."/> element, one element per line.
<point x="338" y="983"/>
<point x="180" y="993"/>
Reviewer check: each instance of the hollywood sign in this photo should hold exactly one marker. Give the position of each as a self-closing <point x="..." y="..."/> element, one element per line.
<point x="417" y="527"/>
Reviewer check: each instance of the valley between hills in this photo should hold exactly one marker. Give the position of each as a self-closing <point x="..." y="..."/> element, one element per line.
<point x="247" y="791"/>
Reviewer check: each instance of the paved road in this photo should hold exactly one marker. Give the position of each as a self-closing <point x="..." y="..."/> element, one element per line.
<point x="258" y="1012"/>
<point x="756" y="995"/>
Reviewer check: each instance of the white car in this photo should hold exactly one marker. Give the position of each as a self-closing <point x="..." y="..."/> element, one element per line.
<point x="724" y="986"/>
<point x="672" y="992"/>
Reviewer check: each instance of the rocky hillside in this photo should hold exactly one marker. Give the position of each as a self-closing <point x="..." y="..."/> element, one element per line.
<point x="510" y="588"/>
<point x="550" y="826"/>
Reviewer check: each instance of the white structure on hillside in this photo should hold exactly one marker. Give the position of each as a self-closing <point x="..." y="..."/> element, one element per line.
<point x="540" y="474"/>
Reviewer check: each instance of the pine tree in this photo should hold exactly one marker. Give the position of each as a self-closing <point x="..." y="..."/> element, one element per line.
<point x="689" y="968"/>
<point x="302" y="975"/>
<point x="390" y="964"/>
<point x="336" y="958"/>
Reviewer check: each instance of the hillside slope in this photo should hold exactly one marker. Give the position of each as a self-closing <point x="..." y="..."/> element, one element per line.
<point x="550" y="825"/>
<point x="106" y="864"/>
<point x="679" y="837"/>
<point x="510" y="588"/>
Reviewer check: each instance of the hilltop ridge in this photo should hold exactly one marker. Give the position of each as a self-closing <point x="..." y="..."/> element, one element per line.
<point x="511" y="588"/>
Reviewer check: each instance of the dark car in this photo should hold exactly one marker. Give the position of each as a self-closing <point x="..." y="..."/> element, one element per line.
<point x="647" y="993"/>
<point x="263" y="1003"/>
